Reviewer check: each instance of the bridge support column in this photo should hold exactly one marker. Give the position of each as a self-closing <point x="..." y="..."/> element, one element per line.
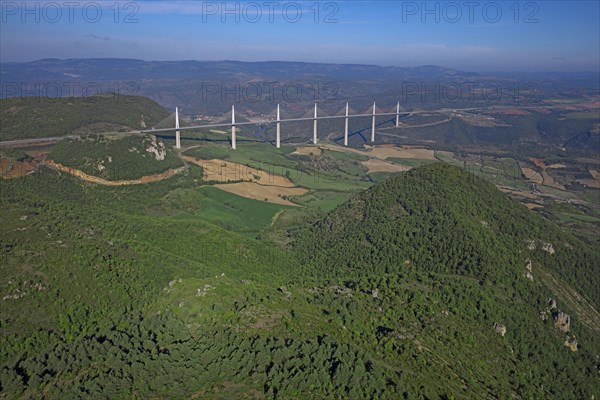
<point x="346" y="127"/>
<point x="278" y="138"/>
<point x="233" y="141"/>
<point x="177" y="135"/>
<point x="315" y="126"/>
<point x="398" y="115"/>
<point x="373" y="125"/>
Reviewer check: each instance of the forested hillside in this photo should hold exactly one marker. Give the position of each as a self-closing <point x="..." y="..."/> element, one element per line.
<point x="39" y="117"/>
<point x="416" y="288"/>
<point x="443" y="243"/>
<point x="444" y="219"/>
<point x="116" y="158"/>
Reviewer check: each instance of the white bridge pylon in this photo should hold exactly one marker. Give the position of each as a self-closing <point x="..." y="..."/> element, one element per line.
<point x="177" y="135"/>
<point x="278" y="120"/>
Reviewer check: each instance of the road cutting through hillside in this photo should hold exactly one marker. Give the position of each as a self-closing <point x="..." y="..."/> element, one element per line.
<point x="94" y="179"/>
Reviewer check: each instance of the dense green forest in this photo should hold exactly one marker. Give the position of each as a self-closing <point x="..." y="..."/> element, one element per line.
<point x="39" y="117"/>
<point x="400" y="292"/>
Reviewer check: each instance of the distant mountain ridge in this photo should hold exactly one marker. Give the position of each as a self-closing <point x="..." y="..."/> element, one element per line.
<point x="209" y="88"/>
<point x="119" y="69"/>
<point x="136" y="69"/>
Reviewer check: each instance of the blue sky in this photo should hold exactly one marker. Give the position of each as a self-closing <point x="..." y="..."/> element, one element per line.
<point x="478" y="35"/>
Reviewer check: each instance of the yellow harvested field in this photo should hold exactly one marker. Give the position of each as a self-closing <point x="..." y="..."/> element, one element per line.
<point x="227" y="171"/>
<point x="532" y="175"/>
<point x="307" y="151"/>
<point x="593" y="183"/>
<point x="375" y="165"/>
<point x="272" y="194"/>
<point x="549" y="181"/>
<point x="343" y="149"/>
<point x="595" y="174"/>
<point x="557" y="166"/>
<point x="384" y="152"/>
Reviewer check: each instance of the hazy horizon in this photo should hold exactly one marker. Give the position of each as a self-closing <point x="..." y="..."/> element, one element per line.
<point x="478" y="71"/>
<point x="487" y="36"/>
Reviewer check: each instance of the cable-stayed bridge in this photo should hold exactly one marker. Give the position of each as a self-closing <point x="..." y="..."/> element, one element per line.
<point x="272" y="118"/>
<point x="278" y="120"/>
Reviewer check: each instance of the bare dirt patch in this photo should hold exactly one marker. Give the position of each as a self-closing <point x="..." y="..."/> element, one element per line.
<point x="538" y="162"/>
<point x="512" y="111"/>
<point x="593" y="183"/>
<point x="15" y="169"/>
<point x="271" y="194"/>
<point x="227" y="171"/>
<point x="376" y="165"/>
<point x="532" y="175"/>
<point x="383" y="152"/>
<point x="549" y="181"/>
<point x="544" y="111"/>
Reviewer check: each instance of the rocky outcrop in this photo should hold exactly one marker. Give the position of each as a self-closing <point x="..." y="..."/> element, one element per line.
<point x="547" y="247"/>
<point x="571" y="343"/>
<point x="551" y="303"/>
<point x="201" y="292"/>
<point x="343" y="291"/>
<point x="285" y="291"/>
<point x="500" y="329"/>
<point x="530" y="244"/>
<point x="157" y="149"/>
<point x="562" y="321"/>
<point x="528" y="267"/>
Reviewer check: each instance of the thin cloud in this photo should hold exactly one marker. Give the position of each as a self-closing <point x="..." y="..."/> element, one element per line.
<point x="96" y="37"/>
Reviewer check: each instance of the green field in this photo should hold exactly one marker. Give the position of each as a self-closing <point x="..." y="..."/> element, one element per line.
<point x="259" y="155"/>
<point x="447" y="158"/>
<point x="234" y="212"/>
<point x="382" y="176"/>
<point x="328" y="180"/>
<point x="322" y="199"/>
<point x="345" y="156"/>
<point x="593" y="115"/>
